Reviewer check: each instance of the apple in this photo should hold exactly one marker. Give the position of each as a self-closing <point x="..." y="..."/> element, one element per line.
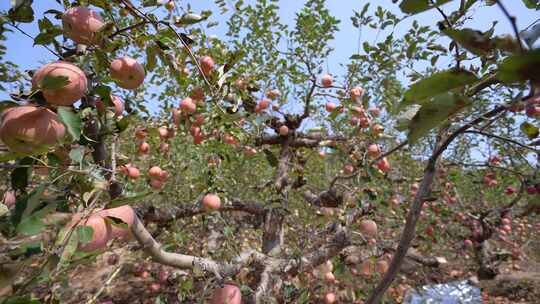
<point x="133" y="172"/>
<point x="207" y="65"/>
<point x="327" y="80"/>
<point x="228" y="294"/>
<point x="164" y="147"/>
<point x="140" y="134"/>
<point x="124" y="213"/>
<point x="357" y="93"/>
<point x="30" y="129"/>
<point x="101" y="231"/>
<point x="199" y="120"/>
<point x="170" y="5"/>
<point x="229" y="139"/>
<point x="468" y="243"/>
<point x="163" y="133"/>
<point x="273" y="94"/>
<point x="9" y="198"/>
<point x="67" y="94"/>
<point x="154" y="172"/>
<point x="197" y="94"/>
<point x="117" y="103"/>
<point x="156" y="184"/>
<point x="144" y="147"/>
<point x="368" y="228"/>
<point x="384" y="165"/>
<point x="330" y="298"/>
<point x="373" y="150"/>
<point x="81" y="24"/>
<point x="250" y="151"/>
<point x="329" y="277"/>
<point x="263" y="104"/>
<point x="211" y="202"/>
<point x="283" y="130"/>
<point x="188" y="106"/>
<point x="128" y="73"/>
<point x="348" y="169"/>
<point x="330" y="106"/>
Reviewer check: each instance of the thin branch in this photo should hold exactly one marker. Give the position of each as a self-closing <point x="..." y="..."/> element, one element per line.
<point x="503" y="139"/>
<point x="512" y="20"/>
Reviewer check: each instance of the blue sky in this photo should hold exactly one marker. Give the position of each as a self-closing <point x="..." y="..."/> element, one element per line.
<point x="21" y="51"/>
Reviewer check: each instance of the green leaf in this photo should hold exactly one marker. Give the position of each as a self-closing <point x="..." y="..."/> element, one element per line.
<point x="188" y="19"/>
<point x="474" y="41"/>
<point x="21" y="11"/>
<point x="418" y="6"/>
<point x="129" y="199"/>
<point x="532" y="4"/>
<point x="33" y="224"/>
<point x="434" y="113"/>
<point x="529" y="129"/>
<point x="437" y="84"/>
<point x="54" y="82"/>
<point x="77" y="154"/>
<point x="271" y="158"/>
<point x="520" y="68"/>
<point x="21" y="300"/>
<point x="71" y="120"/>
<point x="85" y="234"/>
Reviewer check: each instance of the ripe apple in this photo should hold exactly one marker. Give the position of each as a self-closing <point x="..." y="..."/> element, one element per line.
<point x="384" y="165"/>
<point x="368" y="228"/>
<point x="133" y="172"/>
<point x="81" y="24"/>
<point x="348" y="169"/>
<point x="250" y="151"/>
<point x="373" y="150"/>
<point x="124" y="213"/>
<point x="67" y="94"/>
<point x="211" y="202"/>
<point x="163" y="133"/>
<point x="144" y="147"/>
<point x="197" y="94"/>
<point x="128" y="73"/>
<point x="263" y="104"/>
<point x="329" y="277"/>
<point x="101" y="231"/>
<point x="140" y="134"/>
<point x="117" y="103"/>
<point x="468" y="243"/>
<point x="357" y="93"/>
<point x="154" y="172"/>
<point x="170" y="5"/>
<point x="327" y="80"/>
<point x="9" y="199"/>
<point x="30" y="129"/>
<point x="330" y="107"/>
<point x="164" y="147"/>
<point x="199" y="120"/>
<point x="273" y="94"/>
<point x="283" y="130"/>
<point x="188" y="106"/>
<point x="228" y="294"/>
<point x="207" y="65"/>
<point x="156" y="184"/>
<point x="330" y="298"/>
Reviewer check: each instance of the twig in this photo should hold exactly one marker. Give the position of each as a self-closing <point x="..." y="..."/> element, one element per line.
<point x="513" y="22"/>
